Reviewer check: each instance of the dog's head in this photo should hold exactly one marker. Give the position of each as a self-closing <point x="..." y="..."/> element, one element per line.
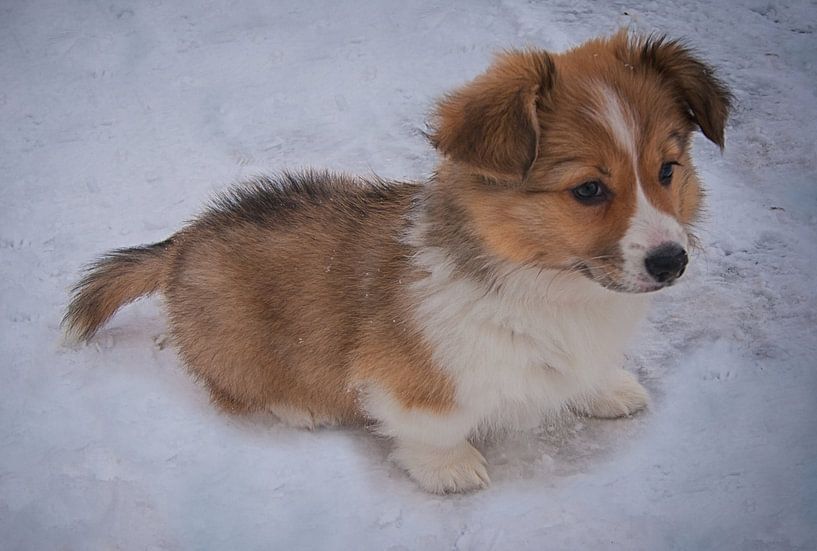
<point x="581" y="160"/>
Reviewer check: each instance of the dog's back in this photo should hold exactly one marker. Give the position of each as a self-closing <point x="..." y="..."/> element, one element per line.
<point x="269" y="291"/>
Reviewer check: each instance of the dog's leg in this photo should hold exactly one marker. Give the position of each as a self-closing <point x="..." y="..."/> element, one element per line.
<point x="300" y="418"/>
<point x="457" y="468"/>
<point x="433" y="447"/>
<point x="294" y="417"/>
<point x="623" y="395"/>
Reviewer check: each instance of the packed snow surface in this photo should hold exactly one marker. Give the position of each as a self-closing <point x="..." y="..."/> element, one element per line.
<point x="119" y="120"/>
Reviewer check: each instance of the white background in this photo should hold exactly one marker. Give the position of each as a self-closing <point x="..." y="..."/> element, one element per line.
<point x="118" y="122"/>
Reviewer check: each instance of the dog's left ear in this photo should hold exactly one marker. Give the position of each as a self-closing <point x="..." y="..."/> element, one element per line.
<point x="706" y="98"/>
<point x="490" y="125"/>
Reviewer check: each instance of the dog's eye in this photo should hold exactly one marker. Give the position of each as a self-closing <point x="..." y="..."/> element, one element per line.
<point x="590" y="192"/>
<point x="665" y="174"/>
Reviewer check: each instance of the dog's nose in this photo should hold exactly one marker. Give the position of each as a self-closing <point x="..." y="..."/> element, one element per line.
<point x="666" y="262"/>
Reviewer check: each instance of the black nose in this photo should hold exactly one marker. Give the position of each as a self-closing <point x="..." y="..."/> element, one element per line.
<point x="666" y="262"/>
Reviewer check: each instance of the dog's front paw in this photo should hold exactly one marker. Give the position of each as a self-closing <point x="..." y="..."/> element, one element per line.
<point x="443" y="470"/>
<point x="624" y="396"/>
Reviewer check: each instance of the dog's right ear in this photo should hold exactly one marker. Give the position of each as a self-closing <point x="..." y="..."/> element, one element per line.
<point x="706" y="99"/>
<point x="490" y="125"/>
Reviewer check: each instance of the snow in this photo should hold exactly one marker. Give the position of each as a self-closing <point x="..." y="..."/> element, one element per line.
<point x="119" y="120"/>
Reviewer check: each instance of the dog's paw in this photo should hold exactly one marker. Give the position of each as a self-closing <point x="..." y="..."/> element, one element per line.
<point x="443" y="470"/>
<point x="299" y="418"/>
<point x="624" y="396"/>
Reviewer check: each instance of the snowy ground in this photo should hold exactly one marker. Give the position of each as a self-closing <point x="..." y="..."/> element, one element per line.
<point x="118" y="121"/>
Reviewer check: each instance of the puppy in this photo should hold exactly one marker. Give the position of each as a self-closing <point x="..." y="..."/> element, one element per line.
<point x="502" y="289"/>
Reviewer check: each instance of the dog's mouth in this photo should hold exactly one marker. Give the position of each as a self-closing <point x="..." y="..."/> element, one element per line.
<point x="615" y="279"/>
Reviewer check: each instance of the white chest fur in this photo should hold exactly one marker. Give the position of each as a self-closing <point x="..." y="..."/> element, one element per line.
<point x="536" y="343"/>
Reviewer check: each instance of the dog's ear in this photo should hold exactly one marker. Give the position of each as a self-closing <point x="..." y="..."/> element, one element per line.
<point x="491" y="125"/>
<point x="704" y="96"/>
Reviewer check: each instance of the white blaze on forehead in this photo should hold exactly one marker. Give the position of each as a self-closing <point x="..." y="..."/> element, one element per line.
<point x="649" y="227"/>
<point x="621" y="123"/>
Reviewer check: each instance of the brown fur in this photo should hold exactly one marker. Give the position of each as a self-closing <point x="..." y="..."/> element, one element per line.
<point x="118" y="278"/>
<point x="294" y="291"/>
<point x="491" y="124"/>
<point x="297" y="272"/>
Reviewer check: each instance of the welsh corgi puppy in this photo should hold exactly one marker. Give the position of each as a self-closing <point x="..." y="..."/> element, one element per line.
<point x="502" y="289"/>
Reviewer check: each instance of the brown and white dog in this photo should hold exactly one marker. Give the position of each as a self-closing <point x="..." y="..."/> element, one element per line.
<point x="502" y="289"/>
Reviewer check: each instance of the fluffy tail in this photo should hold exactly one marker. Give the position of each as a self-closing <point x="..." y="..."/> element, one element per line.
<point x="119" y="277"/>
